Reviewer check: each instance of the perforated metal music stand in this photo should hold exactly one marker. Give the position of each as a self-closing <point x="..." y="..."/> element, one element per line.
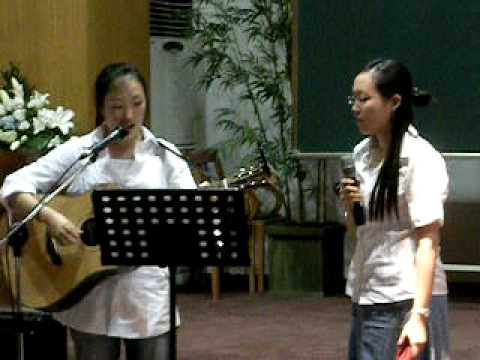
<point x="171" y="228"/>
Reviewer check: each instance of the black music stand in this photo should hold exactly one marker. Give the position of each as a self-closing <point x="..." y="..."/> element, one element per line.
<point x="171" y="228"/>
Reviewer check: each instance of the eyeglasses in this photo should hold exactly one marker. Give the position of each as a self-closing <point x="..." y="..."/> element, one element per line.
<point x="360" y="100"/>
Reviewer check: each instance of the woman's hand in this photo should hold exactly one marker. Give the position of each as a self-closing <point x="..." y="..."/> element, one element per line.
<point x="60" y="227"/>
<point x="415" y="333"/>
<point x="415" y="330"/>
<point x="350" y="191"/>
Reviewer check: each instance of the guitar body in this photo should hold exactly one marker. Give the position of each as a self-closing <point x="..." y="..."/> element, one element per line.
<point x="53" y="277"/>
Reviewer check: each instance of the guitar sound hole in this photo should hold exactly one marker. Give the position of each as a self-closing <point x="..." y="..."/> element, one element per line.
<point x="88" y="232"/>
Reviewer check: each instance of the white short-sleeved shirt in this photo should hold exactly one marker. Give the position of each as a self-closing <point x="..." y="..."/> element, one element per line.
<point x="131" y="304"/>
<point x="382" y="269"/>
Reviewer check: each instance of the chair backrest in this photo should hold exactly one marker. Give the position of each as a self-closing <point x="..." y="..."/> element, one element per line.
<point x="206" y="165"/>
<point x="207" y="170"/>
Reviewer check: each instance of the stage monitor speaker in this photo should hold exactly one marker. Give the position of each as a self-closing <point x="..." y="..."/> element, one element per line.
<point x="44" y="338"/>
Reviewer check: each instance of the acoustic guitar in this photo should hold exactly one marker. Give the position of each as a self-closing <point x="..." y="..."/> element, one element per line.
<point x="53" y="277"/>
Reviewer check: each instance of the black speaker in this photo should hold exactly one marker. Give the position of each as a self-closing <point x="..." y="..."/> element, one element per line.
<point x="333" y="267"/>
<point x="44" y="337"/>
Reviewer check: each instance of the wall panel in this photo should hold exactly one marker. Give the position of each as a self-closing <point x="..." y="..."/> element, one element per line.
<point x="61" y="44"/>
<point x="117" y="31"/>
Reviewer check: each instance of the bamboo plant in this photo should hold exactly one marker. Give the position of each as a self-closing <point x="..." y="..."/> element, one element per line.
<point x="244" y="47"/>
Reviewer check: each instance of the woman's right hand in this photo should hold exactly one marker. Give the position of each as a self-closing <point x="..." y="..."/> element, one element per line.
<point x="60" y="227"/>
<point x="414" y="333"/>
<point x="350" y="192"/>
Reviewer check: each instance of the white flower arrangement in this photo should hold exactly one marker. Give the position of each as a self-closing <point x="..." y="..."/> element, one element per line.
<point x="25" y="120"/>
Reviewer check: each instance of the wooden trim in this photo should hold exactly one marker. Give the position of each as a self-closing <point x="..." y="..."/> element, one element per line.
<point x="295" y="70"/>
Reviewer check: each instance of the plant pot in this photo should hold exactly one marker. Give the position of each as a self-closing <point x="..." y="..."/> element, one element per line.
<point x="306" y="258"/>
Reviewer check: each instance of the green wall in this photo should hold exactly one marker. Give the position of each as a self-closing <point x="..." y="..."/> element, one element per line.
<point x="438" y="40"/>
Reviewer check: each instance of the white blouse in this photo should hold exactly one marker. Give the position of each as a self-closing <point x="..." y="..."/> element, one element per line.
<point x="382" y="269"/>
<point x="132" y="304"/>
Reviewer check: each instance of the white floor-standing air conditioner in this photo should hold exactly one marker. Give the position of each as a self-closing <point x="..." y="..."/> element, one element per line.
<point x="177" y="104"/>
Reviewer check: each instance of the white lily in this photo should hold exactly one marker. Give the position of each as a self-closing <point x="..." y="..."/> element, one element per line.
<point x="15" y="145"/>
<point x="45" y="115"/>
<point x="8" y="136"/>
<point x="24" y="125"/>
<point x="38" y="100"/>
<point x="6" y="101"/>
<point x="18" y="100"/>
<point x="61" y="119"/>
<point x="22" y="120"/>
<point x="17" y="103"/>
<point x="17" y="88"/>
<point x="20" y="115"/>
<point x="39" y="124"/>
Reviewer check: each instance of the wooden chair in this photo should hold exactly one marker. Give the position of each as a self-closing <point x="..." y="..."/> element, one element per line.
<point x="207" y="169"/>
<point x="206" y="165"/>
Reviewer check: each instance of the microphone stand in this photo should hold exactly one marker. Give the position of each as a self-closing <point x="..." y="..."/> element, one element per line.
<point x="176" y="153"/>
<point x="17" y="237"/>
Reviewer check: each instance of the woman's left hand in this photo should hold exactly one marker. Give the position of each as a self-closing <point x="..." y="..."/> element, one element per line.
<point x="415" y="332"/>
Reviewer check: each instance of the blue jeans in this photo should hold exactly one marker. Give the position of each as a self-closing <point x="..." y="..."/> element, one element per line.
<point x="376" y="329"/>
<point x="101" y="347"/>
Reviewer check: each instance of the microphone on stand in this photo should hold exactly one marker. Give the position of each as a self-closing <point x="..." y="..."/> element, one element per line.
<point x="348" y="167"/>
<point x="115" y="136"/>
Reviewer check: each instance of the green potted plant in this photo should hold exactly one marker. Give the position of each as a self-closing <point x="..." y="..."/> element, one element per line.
<point x="244" y="48"/>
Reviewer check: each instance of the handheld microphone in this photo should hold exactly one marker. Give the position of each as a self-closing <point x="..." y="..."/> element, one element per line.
<point x="116" y="135"/>
<point x="348" y="166"/>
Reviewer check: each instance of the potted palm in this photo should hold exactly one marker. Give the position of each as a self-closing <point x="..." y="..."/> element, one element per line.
<point x="244" y="48"/>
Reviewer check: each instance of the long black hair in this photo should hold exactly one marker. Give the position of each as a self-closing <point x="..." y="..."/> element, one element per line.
<point x="390" y="78"/>
<point x="107" y="77"/>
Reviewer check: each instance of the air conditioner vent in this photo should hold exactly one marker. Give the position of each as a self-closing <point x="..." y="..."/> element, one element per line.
<point x="170" y="18"/>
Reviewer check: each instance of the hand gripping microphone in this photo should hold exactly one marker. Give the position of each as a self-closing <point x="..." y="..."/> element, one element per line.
<point x="348" y="166"/>
<point x="116" y="135"/>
